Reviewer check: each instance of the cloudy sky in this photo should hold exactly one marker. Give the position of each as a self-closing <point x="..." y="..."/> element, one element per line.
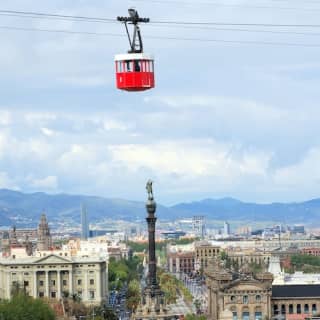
<point x="226" y="118"/>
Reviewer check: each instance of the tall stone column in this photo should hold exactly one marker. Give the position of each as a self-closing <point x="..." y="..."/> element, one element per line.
<point x="8" y="277"/>
<point x="85" y="293"/>
<point x="98" y="285"/>
<point x="35" y="285"/>
<point x="58" y="285"/>
<point x="47" y="284"/>
<point x="70" y="283"/>
<point x="151" y="220"/>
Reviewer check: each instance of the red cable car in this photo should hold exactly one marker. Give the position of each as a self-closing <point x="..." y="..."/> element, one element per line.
<point x="134" y="70"/>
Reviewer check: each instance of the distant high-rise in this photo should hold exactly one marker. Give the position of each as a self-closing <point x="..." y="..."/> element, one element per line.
<point x="84" y="223"/>
<point x="44" y="237"/>
<point x="198" y="226"/>
<point x="226" y="229"/>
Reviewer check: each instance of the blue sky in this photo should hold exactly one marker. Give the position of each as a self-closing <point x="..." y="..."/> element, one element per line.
<point x="224" y="120"/>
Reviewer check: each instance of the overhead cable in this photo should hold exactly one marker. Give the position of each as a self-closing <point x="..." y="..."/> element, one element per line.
<point x="269" y="43"/>
<point x="192" y="23"/>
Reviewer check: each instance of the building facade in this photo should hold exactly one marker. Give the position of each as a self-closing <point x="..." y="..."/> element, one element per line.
<point x="205" y="251"/>
<point x="54" y="277"/>
<point x="249" y="296"/>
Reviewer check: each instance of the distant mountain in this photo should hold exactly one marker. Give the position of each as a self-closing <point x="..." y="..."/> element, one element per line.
<point x="232" y="209"/>
<point x="28" y="208"/>
<point x="64" y="206"/>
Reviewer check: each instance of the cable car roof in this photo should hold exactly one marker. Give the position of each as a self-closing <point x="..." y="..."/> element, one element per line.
<point x="133" y="56"/>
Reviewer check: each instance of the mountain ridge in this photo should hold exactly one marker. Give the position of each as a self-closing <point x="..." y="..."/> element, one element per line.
<point x="60" y="206"/>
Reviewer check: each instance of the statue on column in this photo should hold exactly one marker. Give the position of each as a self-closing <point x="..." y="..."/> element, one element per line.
<point x="149" y="190"/>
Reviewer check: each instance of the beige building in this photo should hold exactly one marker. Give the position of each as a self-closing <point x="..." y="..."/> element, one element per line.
<point x="205" y="251"/>
<point x="247" y="296"/>
<point x="248" y="256"/>
<point x="250" y="296"/>
<point x="53" y="276"/>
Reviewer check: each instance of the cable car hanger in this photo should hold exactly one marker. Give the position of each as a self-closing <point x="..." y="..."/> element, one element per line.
<point x="136" y="44"/>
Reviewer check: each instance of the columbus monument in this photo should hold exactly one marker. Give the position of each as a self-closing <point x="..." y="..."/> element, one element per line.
<point x="153" y="305"/>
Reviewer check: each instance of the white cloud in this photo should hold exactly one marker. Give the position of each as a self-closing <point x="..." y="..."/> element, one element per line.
<point x="191" y="158"/>
<point x="48" y="132"/>
<point x="5" y="118"/>
<point x="47" y="183"/>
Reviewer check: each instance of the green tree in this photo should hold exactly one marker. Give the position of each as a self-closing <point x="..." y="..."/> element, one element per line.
<point x="23" y="307"/>
<point x="123" y="271"/>
<point x="133" y="294"/>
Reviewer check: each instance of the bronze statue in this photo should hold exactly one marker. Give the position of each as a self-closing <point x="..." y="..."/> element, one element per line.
<point x="149" y="189"/>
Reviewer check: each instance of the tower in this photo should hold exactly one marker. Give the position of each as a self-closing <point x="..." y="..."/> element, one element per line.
<point x="44" y="238"/>
<point x="226" y="229"/>
<point x="84" y="223"/>
<point x="153" y="305"/>
<point x="198" y="226"/>
<point x="152" y="288"/>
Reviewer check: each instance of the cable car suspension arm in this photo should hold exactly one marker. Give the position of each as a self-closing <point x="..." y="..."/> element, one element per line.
<point x="136" y="45"/>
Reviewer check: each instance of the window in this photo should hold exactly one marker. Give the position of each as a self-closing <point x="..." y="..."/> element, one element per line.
<point x="25" y="283"/>
<point x="306" y="308"/>
<point x="53" y="294"/>
<point x="233" y="298"/>
<point x="275" y="309"/>
<point x="41" y="283"/>
<point x="245" y="315"/>
<point x="299" y="308"/>
<point x="234" y="315"/>
<point x="283" y="309"/>
<point x="91" y="294"/>
<point x="245" y="299"/>
<point x="314" y="308"/>
<point x="79" y="282"/>
<point x="80" y="293"/>
<point x="41" y="294"/>
<point x="53" y="282"/>
<point x="64" y="282"/>
<point x="258" y="298"/>
<point x="258" y="315"/>
<point x="290" y="308"/>
<point x="91" y="281"/>
<point x="137" y="66"/>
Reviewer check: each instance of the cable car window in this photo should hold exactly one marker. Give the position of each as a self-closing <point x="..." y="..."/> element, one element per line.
<point x="151" y="66"/>
<point x="137" y="66"/>
<point x="143" y="65"/>
<point x="128" y="66"/>
<point x="147" y="66"/>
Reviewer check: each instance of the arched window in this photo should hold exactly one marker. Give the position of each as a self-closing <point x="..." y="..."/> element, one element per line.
<point x="245" y="299"/>
<point x="283" y="309"/>
<point x="306" y="308"/>
<point x="290" y="308"/>
<point x="299" y="308"/>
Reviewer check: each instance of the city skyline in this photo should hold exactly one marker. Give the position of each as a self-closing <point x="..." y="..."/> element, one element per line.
<point x="243" y="125"/>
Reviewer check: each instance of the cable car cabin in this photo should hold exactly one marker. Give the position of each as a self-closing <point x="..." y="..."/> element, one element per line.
<point x="134" y="71"/>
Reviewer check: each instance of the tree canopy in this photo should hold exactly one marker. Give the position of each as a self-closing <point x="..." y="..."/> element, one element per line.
<point x="23" y="307"/>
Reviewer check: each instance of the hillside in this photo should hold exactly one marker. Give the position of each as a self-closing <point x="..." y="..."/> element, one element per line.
<point x="64" y="206"/>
